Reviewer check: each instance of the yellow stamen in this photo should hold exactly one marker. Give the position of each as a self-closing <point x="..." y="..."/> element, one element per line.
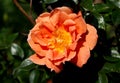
<point x="61" y="39"/>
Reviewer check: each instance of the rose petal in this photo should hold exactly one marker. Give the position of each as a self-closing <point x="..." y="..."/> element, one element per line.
<point x="80" y="24"/>
<point x="49" y="54"/>
<point x="42" y="61"/>
<point x="37" y="60"/>
<point x="62" y="17"/>
<point x="36" y="27"/>
<point x="72" y="28"/>
<point x="73" y="16"/>
<point x="59" y="55"/>
<point x="73" y="46"/>
<point x="36" y="39"/>
<point x="50" y="65"/>
<point x="59" y="61"/>
<point x="58" y="17"/>
<point x="69" y="22"/>
<point x="83" y="56"/>
<point x="91" y="37"/>
<point x="43" y="16"/>
<point x="44" y="53"/>
<point x="65" y="9"/>
<point x="71" y="55"/>
<point x="44" y="20"/>
<point x="48" y="25"/>
<point x="34" y="46"/>
<point x="54" y="17"/>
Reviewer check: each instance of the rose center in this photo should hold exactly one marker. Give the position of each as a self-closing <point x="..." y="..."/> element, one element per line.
<point x="60" y="41"/>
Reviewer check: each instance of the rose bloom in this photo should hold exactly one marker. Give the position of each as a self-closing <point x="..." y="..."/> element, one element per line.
<point x="61" y="36"/>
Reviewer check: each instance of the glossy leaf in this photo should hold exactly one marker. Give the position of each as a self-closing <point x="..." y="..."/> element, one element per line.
<point x="34" y="76"/>
<point x="112" y="67"/>
<point x="75" y="1"/>
<point x="115" y="2"/>
<point x="26" y="64"/>
<point x="17" y="50"/>
<point x="23" y="76"/>
<point x="87" y="4"/>
<point x="16" y="72"/>
<point x="44" y="76"/>
<point x="111" y="59"/>
<point x="102" y="78"/>
<point x="115" y="53"/>
<point x="101" y="7"/>
<point x="50" y="1"/>
<point x="101" y="22"/>
<point x="39" y="75"/>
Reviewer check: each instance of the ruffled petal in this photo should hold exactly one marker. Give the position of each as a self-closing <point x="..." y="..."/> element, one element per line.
<point x="37" y="60"/>
<point x="73" y="46"/>
<point x="47" y="24"/>
<point x="36" y="27"/>
<point x="82" y="56"/>
<point x="71" y="55"/>
<point x="65" y="9"/>
<point x="73" y="16"/>
<point x="62" y="17"/>
<point x="69" y="22"/>
<point x="44" y="61"/>
<point x="35" y="47"/>
<point x="44" y="20"/>
<point x="54" y="17"/>
<point x="43" y="16"/>
<point x="58" y="55"/>
<point x="59" y="15"/>
<point x="91" y="37"/>
<point x="52" y="66"/>
<point x="81" y="26"/>
<point x="38" y="40"/>
<point x="72" y="28"/>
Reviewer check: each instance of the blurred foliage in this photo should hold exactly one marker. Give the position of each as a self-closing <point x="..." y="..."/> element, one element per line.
<point x="103" y="65"/>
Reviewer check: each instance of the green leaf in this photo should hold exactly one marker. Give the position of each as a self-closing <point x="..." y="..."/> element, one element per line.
<point x="87" y="5"/>
<point x="110" y="31"/>
<point x="100" y="18"/>
<point x="44" y="76"/>
<point x="17" y="72"/>
<point x="11" y="37"/>
<point x="17" y="50"/>
<point x="50" y="1"/>
<point x="116" y="17"/>
<point x="76" y="1"/>
<point x="115" y="2"/>
<point x="34" y="76"/>
<point x="111" y="59"/>
<point x="23" y="76"/>
<point x="38" y="76"/>
<point x="102" y="78"/>
<point x="26" y="64"/>
<point x="101" y="8"/>
<point x="112" y="67"/>
<point x="6" y="38"/>
<point x="115" y="53"/>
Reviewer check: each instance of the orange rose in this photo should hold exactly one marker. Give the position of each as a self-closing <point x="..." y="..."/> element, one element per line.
<point x="60" y="36"/>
